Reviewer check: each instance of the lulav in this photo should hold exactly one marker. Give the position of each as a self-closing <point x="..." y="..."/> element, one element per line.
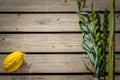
<point x="94" y="41"/>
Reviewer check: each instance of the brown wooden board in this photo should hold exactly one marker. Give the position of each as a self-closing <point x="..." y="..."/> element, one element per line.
<point x="52" y="5"/>
<point x="49" y="16"/>
<point x="48" y="77"/>
<point x="51" y="63"/>
<point x="51" y="77"/>
<point x="56" y="63"/>
<point x="43" y="22"/>
<point x="45" y="42"/>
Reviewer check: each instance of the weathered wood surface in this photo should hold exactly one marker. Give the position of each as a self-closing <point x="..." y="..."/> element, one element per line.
<point x="40" y="42"/>
<point x="52" y="22"/>
<point x="45" y="42"/>
<point x="52" y="5"/>
<point x="56" y="63"/>
<point x="48" y="77"/>
<point x="51" y="63"/>
<point x="43" y="22"/>
<point x="39" y="22"/>
<point x="52" y="77"/>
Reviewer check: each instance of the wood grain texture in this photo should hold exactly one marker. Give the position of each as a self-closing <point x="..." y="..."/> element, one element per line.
<point x="40" y="42"/>
<point x="43" y="22"/>
<point x="53" y="5"/>
<point x="38" y="5"/>
<point x="39" y="22"/>
<point x="52" y="77"/>
<point x="50" y="22"/>
<point x="45" y="42"/>
<point x="51" y="63"/>
<point x="48" y="77"/>
<point x="56" y="63"/>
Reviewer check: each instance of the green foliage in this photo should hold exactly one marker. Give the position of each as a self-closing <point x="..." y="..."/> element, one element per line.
<point x="81" y="4"/>
<point x="94" y="42"/>
<point x="104" y="42"/>
<point x="88" y="41"/>
<point x="100" y="39"/>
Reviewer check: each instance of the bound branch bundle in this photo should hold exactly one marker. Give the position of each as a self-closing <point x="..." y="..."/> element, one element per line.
<point x="95" y="40"/>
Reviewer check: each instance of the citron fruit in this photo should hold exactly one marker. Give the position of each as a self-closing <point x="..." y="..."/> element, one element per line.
<point x="13" y="61"/>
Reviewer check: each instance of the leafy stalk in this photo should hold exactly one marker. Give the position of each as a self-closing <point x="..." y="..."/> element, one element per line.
<point x="88" y="38"/>
<point x="104" y="38"/>
<point x="111" y="42"/>
<point x="94" y="42"/>
<point x="105" y="27"/>
<point x="97" y="41"/>
<point x="100" y="40"/>
<point x="89" y="42"/>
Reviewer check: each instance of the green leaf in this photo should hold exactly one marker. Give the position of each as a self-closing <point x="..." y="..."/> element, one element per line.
<point x="91" y="57"/>
<point x="86" y="46"/>
<point x="89" y="26"/>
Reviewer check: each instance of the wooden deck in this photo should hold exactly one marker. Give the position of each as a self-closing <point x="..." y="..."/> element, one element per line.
<point x="48" y="31"/>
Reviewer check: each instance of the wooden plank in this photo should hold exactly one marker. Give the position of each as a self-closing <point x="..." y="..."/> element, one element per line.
<point x="117" y="77"/>
<point x="56" y="63"/>
<point x="43" y="22"/>
<point x="100" y="5"/>
<point x="52" y="77"/>
<point x="35" y="5"/>
<point x="39" y="22"/>
<point x="117" y="63"/>
<point x="48" y="77"/>
<point x="51" y="63"/>
<point x="40" y="42"/>
<point x="45" y="42"/>
<point x="117" y="22"/>
<point x="53" y="5"/>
